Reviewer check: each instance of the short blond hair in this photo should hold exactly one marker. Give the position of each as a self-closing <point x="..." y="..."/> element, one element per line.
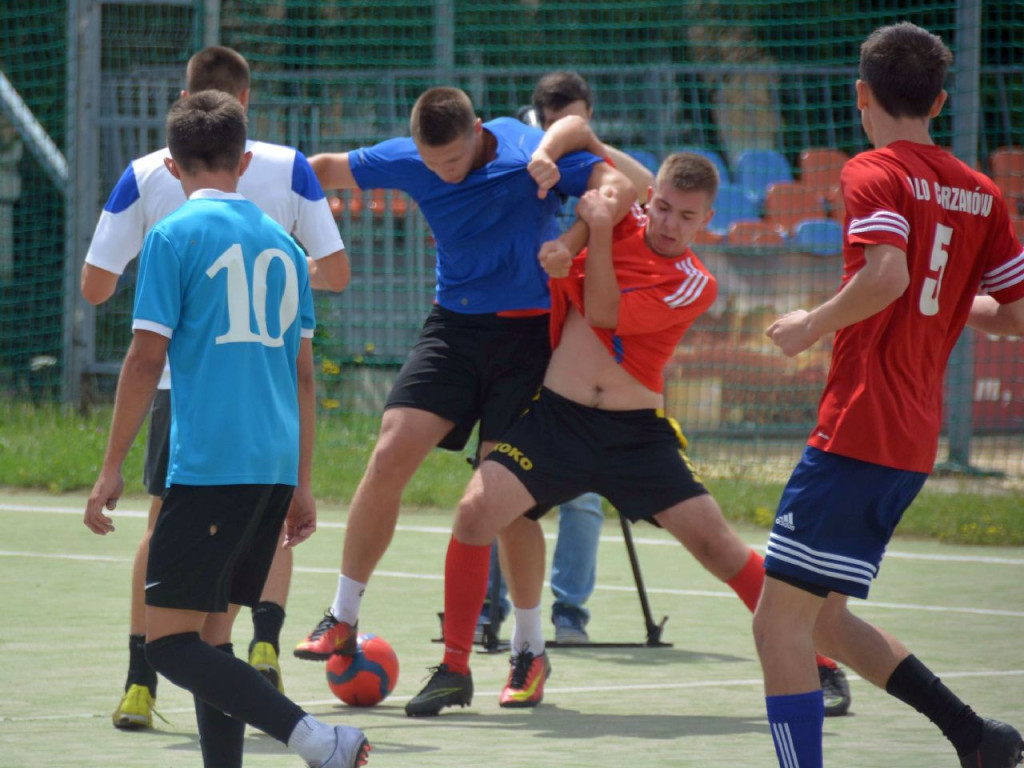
<point x="688" y="172"/>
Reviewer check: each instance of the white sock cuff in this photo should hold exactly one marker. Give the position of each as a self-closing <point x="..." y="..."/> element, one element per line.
<point x="348" y="599"/>
<point x="312" y="740"/>
<point x="529" y="631"/>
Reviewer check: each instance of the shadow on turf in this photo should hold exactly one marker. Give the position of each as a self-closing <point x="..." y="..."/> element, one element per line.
<point x="644" y="656"/>
<point x="555" y="722"/>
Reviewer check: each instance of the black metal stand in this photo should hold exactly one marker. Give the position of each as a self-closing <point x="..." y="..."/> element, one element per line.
<point x="490" y="641"/>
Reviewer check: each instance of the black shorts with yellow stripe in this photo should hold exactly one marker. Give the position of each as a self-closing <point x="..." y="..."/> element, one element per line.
<point x="636" y="459"/>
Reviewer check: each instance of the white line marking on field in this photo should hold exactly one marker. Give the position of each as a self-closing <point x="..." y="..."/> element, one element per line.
<point x="552" y="690"/>
<point x="446" y="531"/>
<point x="599" y="587"/>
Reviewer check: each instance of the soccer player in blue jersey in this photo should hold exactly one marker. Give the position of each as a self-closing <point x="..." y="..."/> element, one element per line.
<point x="483" y="349"/>
<point x="280" y="181"/>
<point x="224" y="294"/>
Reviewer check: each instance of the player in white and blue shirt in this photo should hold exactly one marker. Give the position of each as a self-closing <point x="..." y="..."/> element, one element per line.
<point x="279" y="181"/>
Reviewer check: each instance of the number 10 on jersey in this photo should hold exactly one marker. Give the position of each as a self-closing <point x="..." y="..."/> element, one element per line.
<point x="241" y="298"/>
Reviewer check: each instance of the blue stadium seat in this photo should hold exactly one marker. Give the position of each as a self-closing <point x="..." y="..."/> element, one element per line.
<point x="821" y="237"/>
<point x="731" y="205"/>
<point x="714" y="157"/>
<point x="648" y="160"/>
<point x="757" y="168"/>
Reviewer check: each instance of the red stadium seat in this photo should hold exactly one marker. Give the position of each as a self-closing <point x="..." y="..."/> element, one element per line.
<point x="787" y="204"/>
<point x="756" y="234"/>
<point x="350" y="200"/>
<point x="707" y="237"/>
<point x="384" y="200"/>
<point x="399" y="203"/>
<point x="820" y="167"/>
<point x="1008" y="171"/>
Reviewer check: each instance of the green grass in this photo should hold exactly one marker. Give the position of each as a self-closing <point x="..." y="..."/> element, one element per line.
<point x="59" y="450"/>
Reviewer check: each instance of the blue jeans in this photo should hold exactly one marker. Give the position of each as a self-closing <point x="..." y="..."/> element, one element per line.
<point x="574" y="565"/>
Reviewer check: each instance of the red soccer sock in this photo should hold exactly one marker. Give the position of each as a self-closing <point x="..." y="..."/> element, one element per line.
<point x="466" y="568"/>
<point x="748" y="584"/>
<point x="749" y="581"/>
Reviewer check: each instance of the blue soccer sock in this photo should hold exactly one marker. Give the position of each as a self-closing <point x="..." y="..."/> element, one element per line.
<point x="796" y="722"/>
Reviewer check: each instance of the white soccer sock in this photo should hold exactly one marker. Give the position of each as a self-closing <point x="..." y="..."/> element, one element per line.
<point x="347" y="600"/>
<point x="313" y="740"/>
<point x="528" y="633"/>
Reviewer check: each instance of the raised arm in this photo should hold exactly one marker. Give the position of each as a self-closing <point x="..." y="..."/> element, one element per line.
<point x="601" y="293"/>
<point x="882" y="280"/>
<point x="611" y="183"/>
<point x="569" y="134"/>
<point x="333" y="171"/>
<point x="556" y="255"/>
<point x="641" y="178"/>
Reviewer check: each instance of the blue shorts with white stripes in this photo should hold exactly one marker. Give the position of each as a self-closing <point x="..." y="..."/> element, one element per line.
<point x="835" y="519"/>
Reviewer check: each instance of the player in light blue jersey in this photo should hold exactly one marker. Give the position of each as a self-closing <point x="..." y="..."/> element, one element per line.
<point x="281" y="182"/>
<point x="483" y="349"/>
<point x="224" y="294"/>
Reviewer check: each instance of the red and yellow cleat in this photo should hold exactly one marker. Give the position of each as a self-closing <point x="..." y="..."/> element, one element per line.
<point x="525" y="686"/>
<point x="329" y="638"/>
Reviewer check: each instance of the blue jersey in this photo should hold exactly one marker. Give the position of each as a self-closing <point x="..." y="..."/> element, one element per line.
<point x="230" y="289"/>
<point x="489" y="226"/>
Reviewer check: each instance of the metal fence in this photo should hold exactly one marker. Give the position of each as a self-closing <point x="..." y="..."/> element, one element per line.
<point x="125" y="63"/>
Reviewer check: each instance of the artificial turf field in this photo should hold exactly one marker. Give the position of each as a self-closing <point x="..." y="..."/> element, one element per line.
<point x="63" y="645"/>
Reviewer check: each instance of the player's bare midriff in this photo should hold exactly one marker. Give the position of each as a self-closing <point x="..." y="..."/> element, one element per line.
<point x="582" y="370"/>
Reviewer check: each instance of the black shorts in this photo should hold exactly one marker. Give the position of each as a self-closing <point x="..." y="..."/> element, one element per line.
<point x="158" y="444"/>
<point x="213" y="545"/>
<point x="636" y="459"/>
<point x="470" y="368"/>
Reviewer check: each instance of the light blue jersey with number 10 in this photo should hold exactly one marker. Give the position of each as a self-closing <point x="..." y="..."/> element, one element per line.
<point x="230" y="289"/>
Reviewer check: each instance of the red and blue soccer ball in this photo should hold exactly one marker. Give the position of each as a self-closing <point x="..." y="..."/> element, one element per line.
<point x="366" y="677"/>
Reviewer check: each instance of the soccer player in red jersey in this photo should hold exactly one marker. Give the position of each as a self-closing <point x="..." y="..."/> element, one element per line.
<point x="617" y="313"/>
<point x="923" y="234"/>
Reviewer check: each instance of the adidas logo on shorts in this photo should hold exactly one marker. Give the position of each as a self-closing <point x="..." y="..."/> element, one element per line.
<point x="786" y="521"/>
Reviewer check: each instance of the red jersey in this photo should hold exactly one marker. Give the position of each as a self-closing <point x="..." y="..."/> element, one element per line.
<point x="660" y="300"/>
<point x="883" y="399"/>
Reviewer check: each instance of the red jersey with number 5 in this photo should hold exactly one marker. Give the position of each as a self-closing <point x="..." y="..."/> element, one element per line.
<point x="883" y="399"/>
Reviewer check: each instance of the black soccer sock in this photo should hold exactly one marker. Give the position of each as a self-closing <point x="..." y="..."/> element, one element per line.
<point x="220" y="736"/>
<point x="224" y="682"/>
<point x="267" y="620"/>
<point x="914" y="684"/>
<point x="139" y="671"/>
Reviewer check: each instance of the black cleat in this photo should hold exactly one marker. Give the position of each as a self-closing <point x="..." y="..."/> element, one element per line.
<point x="1001" y="747"/>
<point x="836" y="691"/>
<point x="444" y="689"/>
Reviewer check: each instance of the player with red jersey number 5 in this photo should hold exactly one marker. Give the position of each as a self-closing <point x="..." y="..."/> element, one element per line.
<point x="923" y="234"/>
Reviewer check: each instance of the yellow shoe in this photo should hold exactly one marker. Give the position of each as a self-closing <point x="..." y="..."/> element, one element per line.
<point x="135" y="709"/>
<point x="263" y="658"/>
